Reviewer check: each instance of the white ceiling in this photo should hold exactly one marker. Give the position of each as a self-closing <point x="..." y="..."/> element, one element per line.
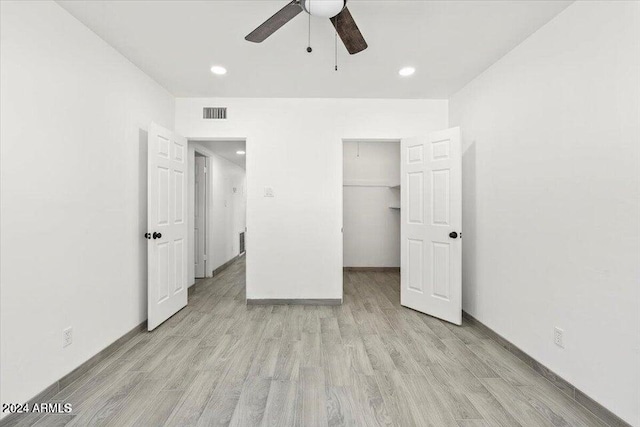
<point x="449" y="43"/>
<point x="227" y="150"/>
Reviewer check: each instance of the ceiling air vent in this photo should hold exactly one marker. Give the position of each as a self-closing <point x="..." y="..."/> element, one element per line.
<point x="214" y="113"/>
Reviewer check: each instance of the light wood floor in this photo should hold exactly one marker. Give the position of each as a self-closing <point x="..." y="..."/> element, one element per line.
<point x="367" y="362"/>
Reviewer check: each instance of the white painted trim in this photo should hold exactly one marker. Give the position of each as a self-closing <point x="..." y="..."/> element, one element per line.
<point x="217" y="139"/>
<point x="209" y="208"/>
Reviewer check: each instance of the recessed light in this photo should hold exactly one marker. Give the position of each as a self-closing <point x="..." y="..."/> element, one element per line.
<point x="240" y="152"/>
<point x="407" y="71"/>
<point x="218" y="70"/>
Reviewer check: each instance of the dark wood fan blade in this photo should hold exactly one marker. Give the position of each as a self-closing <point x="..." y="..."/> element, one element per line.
<point x="349" y="32"/>
<point x="272" y="24"/>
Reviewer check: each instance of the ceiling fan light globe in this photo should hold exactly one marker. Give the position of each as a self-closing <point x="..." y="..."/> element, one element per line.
<point x="323" y="8"/>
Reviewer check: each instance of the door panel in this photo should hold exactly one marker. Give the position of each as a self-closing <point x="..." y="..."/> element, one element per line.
<point x="431" y="208"/>
<point x="178" y="184"/>
<point x="415" y="194"/>
<point x="179" y="258"/>
<point x="167" y="230"/>
<point x="415" y="265"/>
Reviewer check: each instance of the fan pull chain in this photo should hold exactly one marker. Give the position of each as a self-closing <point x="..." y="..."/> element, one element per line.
<point x="309" y="34"/>
<point x="336" y="46"/>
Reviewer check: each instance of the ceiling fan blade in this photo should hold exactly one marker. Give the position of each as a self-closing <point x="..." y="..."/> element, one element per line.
<point x="272" y="24"/>
<point x="349" y="32"/>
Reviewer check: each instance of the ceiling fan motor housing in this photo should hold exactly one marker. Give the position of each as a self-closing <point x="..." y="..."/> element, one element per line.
<point x="323" y="8"/>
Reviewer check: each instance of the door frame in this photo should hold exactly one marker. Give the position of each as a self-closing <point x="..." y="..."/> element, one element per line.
<point x="341" y="184"/>
<point x="195" y="143"/>
<point x="207" y="209"/>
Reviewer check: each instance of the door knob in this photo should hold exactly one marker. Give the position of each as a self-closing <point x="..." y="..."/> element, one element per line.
<point x="147" y="235"/>
<point x="157" y="235"/>
<point x="453" y="235"/>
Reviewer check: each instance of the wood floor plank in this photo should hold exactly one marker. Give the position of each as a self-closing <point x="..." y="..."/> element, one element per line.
<point x="109" y="402"/>
<point x="289" y="360"/>
<point x="282" y="403"/>
<point x="428" y="406"/>
<point x="138" y="399"/>
<point x="402" y="357"/>
<point x="359" y="359"/>
<point x="337" y="364"/>
<point x="453" y="397"/>
<point x="378" y="355"/>
<point x="505" y="364"/>
<point x="55" y="420"/>
<point x="312" y="400"/>
<point x="515" y="403"/>
<point x="472" y="423"/>
<point x="370" y="399"/>
<point x="557" y="407"/>
<point x="221" y="406"/>
<point x="160" y="409"/>
<point x="457" y="350"/>
<point x="194" y="400"/>
<point x="397" y="398"/>
<point x="265" y="359"/>
<point x="252" y="403"/>
<point x="492" y="411"/>
<point x="311" y="350"/>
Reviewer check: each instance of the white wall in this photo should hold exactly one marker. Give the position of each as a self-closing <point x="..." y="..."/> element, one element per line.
<point x="371" y="228"/>
<point x="550" y="198"/>
<point x="295" y="146"/>
<point x="226" y="209"/>
<point x="73" y="184"/>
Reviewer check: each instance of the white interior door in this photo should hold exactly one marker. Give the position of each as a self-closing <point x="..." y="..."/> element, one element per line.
<point x="167" y="225"/>
<point x="200" y="213"/>
<point x="431" y="222"/>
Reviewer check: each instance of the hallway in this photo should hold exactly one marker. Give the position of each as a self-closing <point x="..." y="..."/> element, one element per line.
<point x="367" y="362"/>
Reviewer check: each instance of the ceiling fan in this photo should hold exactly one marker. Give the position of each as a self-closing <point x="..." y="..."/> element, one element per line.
<point x="335" y="10"/>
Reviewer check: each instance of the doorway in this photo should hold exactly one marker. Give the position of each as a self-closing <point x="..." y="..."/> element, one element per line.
<point x="419" y="179"/>
<point x="371" y="205"/>
<point x="218" y="190"/>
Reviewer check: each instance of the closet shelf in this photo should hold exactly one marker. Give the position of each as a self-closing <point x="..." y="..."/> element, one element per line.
<point x="369" y="183"/>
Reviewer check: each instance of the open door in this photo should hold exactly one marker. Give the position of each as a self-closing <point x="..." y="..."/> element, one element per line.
<point x="431" y="222"/>
<point x="167" y="225"/>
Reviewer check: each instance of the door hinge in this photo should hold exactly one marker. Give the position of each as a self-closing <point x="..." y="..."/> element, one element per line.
<point x="204" y="257"/>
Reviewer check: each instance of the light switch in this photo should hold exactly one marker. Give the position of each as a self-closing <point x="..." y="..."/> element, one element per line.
<point x="268" y="192"/>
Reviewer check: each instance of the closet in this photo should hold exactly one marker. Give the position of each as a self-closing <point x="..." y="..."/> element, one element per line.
<point x="371" y="204"/>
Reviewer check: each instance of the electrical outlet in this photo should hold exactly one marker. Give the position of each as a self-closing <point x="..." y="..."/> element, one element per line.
<point x="67" y="337"/>
<point x="558" y="337"/>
